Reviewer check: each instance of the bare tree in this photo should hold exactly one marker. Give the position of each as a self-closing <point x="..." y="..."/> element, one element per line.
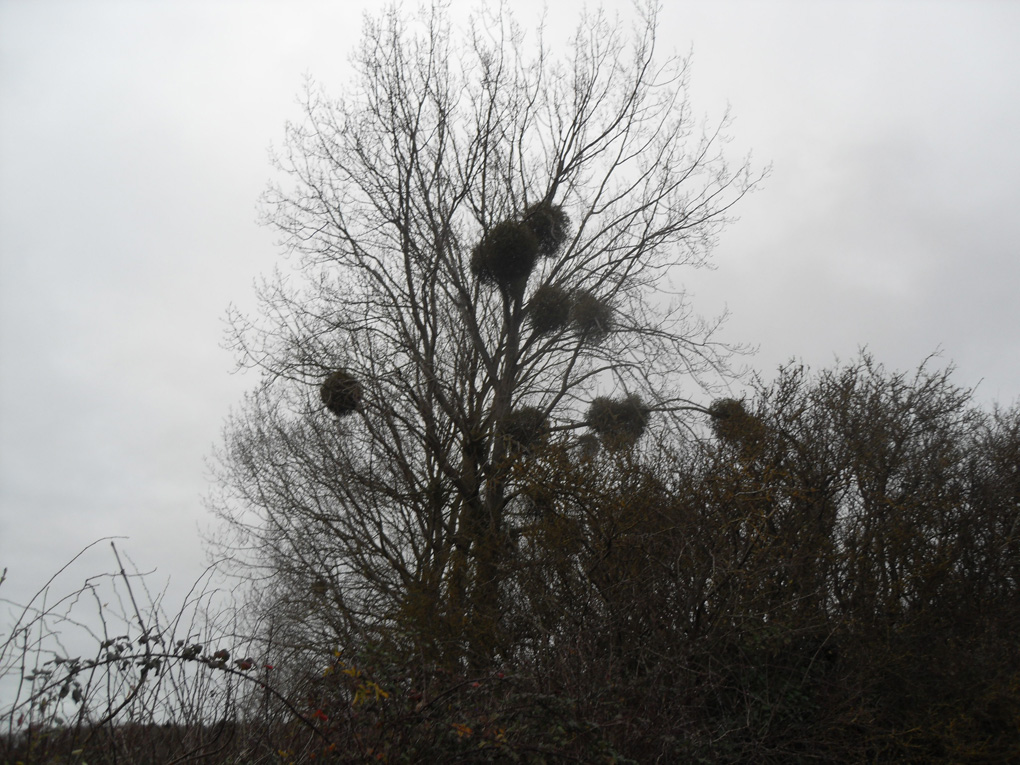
<point x="487" y="228"/>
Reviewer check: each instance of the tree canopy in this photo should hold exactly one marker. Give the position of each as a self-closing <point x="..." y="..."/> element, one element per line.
<point x="487" y="227"/>
<point x="486" y="466"/>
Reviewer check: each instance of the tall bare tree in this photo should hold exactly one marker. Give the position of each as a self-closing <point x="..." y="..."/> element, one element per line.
<point x="487" y="228"/>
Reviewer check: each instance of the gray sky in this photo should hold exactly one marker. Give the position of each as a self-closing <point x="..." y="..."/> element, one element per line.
<point x="133" y="149"/>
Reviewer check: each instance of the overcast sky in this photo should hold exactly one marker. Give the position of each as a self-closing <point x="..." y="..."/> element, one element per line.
<point x="134" y="139"/>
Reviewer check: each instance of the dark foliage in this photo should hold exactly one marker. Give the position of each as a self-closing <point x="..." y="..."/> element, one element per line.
<point x="848" y="592"/>
<point x="506" y="255"/>
<point x="549" y="309"/>
<point x="550" y="225"/>
<point x="525" y="427"/>
<point x="619" y="423"/>
<point x="734" y="425"/>
<point x="341" y="393"/>
<point x="591" y="316"/>
<point x="728" y="415"/>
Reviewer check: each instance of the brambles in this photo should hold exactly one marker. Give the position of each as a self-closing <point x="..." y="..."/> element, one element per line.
<point x="341" y="393"/>
<point x="619" y="423"/>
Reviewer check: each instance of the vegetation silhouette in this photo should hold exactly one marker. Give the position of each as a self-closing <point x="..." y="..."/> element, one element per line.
<point x="486" y="504"/>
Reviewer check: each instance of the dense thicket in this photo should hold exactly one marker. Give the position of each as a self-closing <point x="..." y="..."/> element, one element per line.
<point x="833" y="576"/>
<point x="832" y="573"/>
